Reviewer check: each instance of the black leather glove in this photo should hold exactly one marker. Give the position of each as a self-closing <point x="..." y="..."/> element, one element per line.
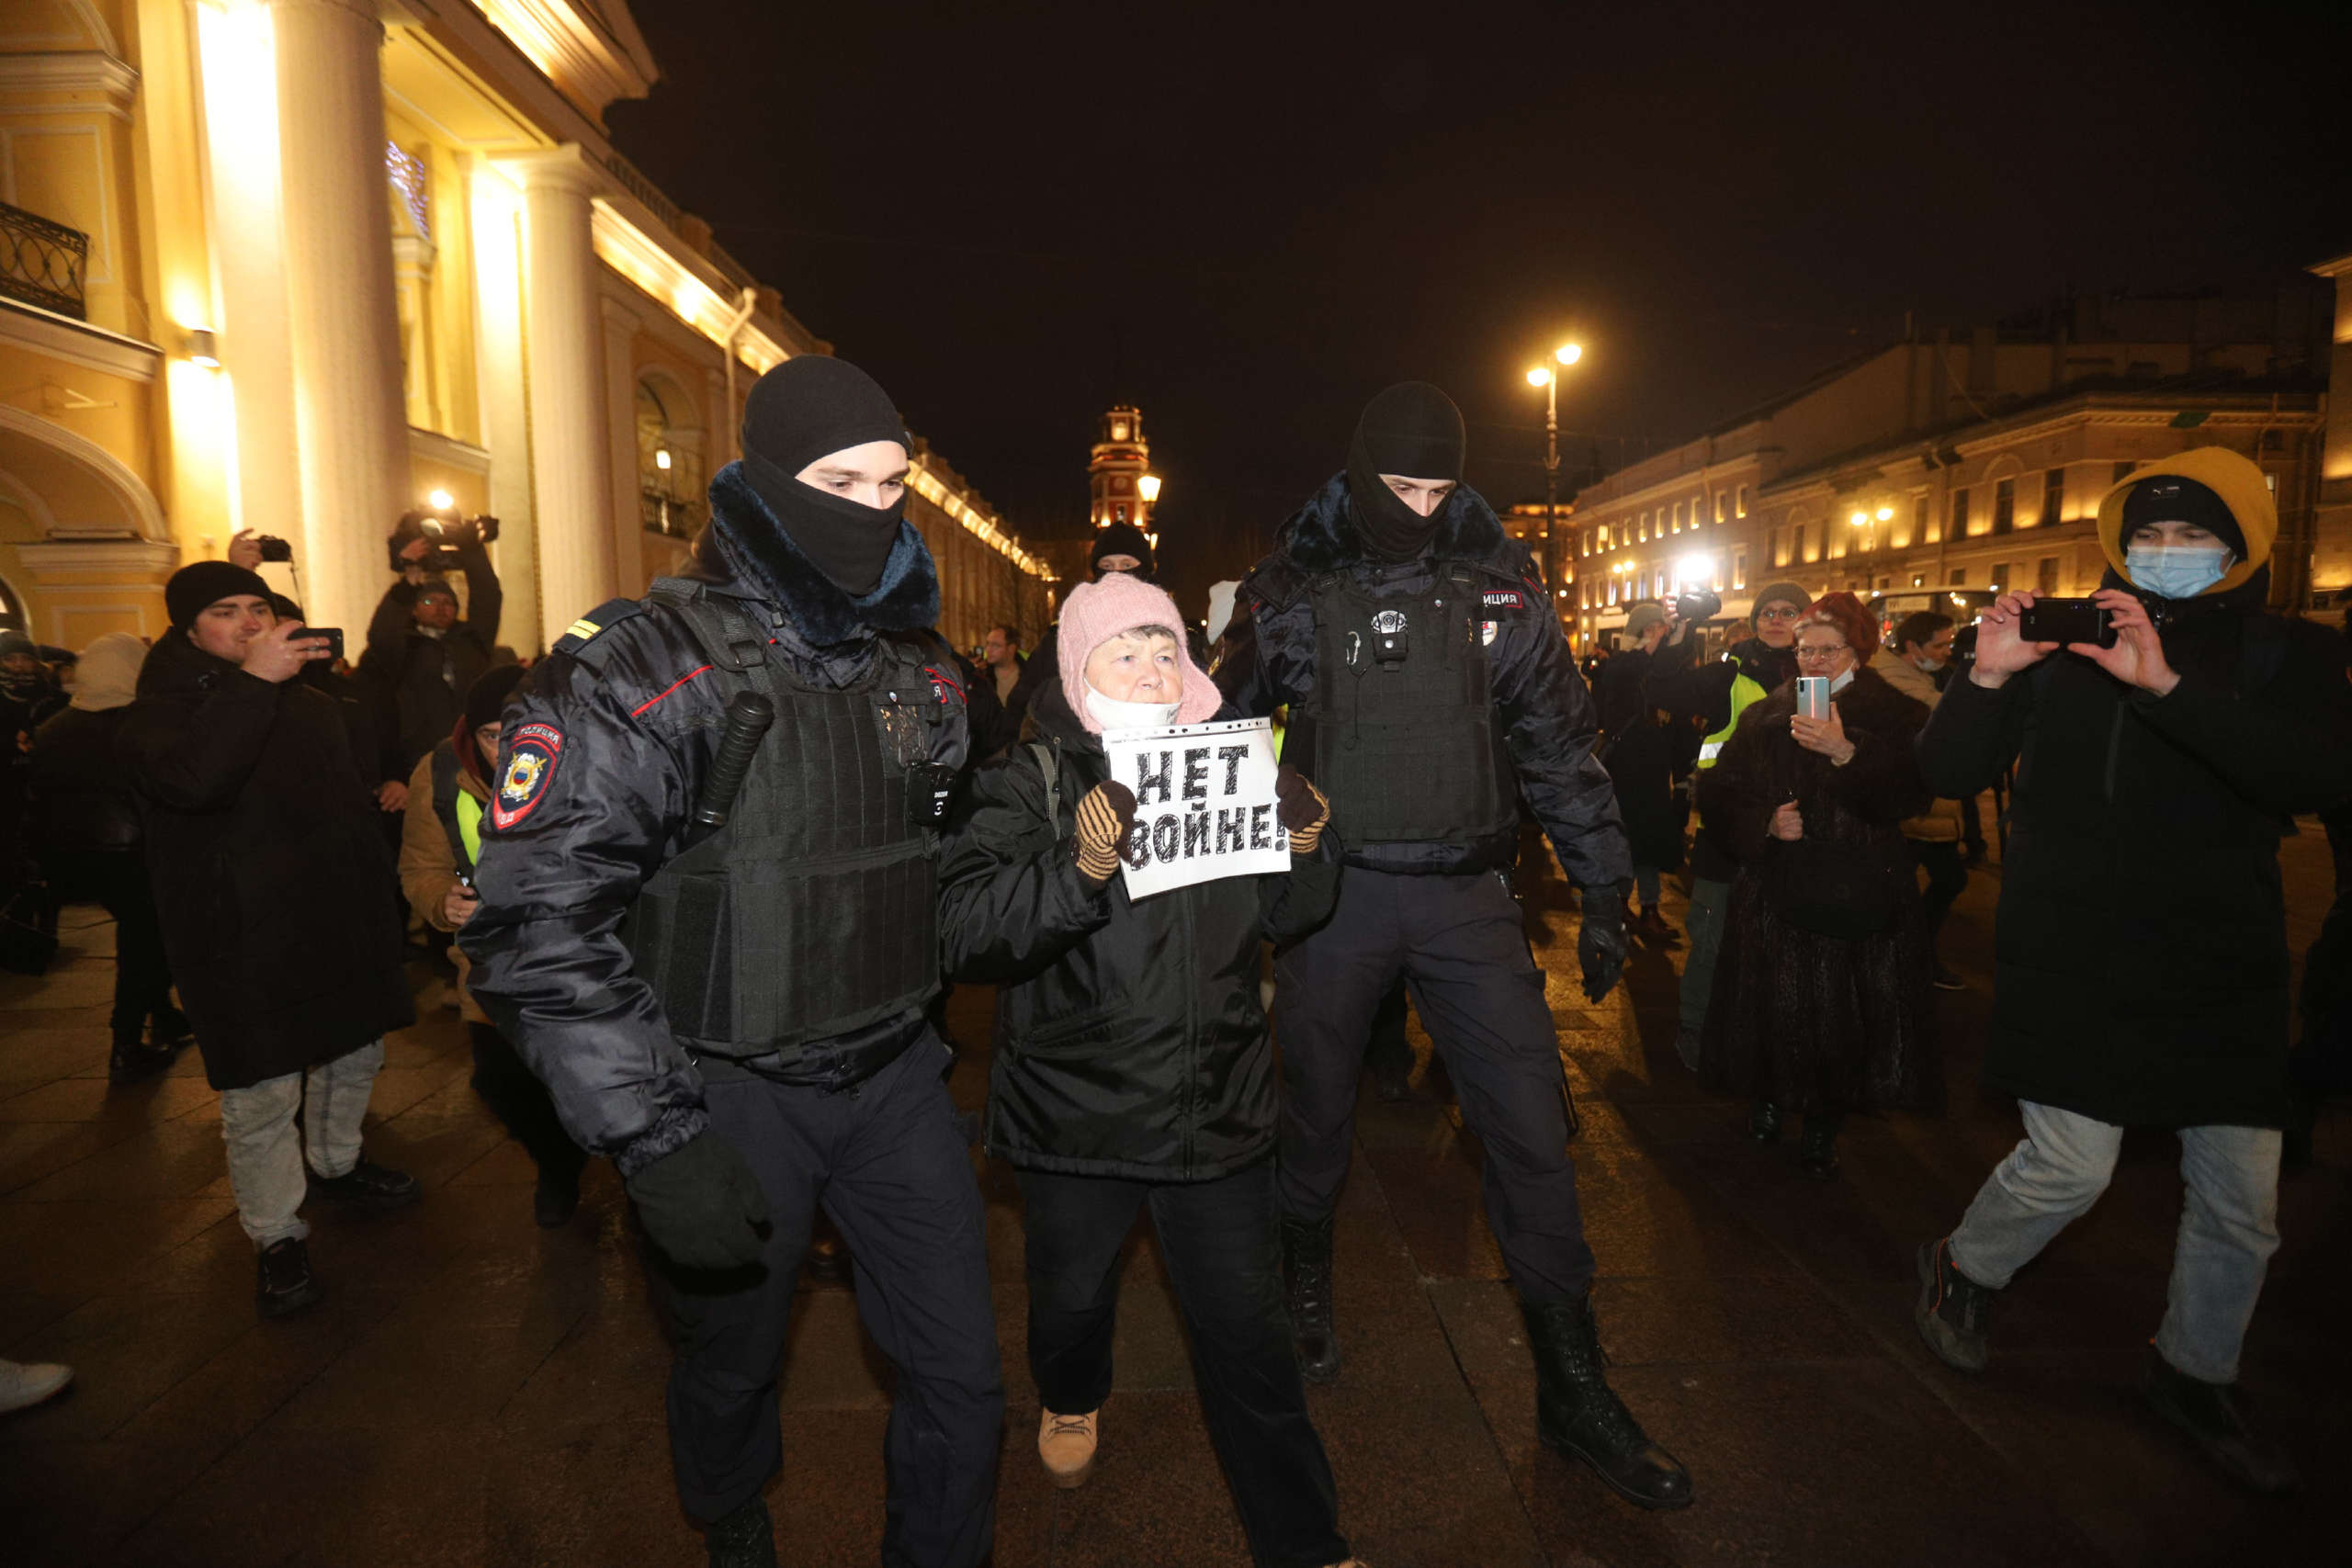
<point x="702" y="1205"/>
<point x="1600" y="945"/>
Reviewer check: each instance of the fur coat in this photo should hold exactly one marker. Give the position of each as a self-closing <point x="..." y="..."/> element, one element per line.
<point x="1814" y="1022"/>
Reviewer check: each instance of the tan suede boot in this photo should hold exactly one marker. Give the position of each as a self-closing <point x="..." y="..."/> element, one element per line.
<point x="1067" y="1445"/>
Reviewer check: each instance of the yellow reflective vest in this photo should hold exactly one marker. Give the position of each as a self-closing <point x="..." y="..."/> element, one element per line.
<point x="1744" y="690"/>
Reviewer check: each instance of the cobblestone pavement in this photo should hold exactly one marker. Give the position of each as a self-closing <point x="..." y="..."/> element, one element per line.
<point x="475" y="1391"/>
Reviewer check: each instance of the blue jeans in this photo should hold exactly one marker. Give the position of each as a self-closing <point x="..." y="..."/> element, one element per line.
<point x="1705" y="926"/>
<point x="2229" y="1227"/>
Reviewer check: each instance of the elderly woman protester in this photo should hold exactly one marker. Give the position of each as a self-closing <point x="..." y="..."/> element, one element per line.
<point x="1821" y="1004"/>
<point x="1133" y="1066"/>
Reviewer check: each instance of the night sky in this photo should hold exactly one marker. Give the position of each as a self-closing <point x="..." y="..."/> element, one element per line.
<point x="1249" y="219"/>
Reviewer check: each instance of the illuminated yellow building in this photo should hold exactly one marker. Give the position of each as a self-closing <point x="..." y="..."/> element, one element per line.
<point x="296" y="265"/>
<point x="1978" y="461"/>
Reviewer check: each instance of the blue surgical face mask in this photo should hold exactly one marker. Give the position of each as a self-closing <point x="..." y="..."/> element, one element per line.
<point x="2175" y="572"/>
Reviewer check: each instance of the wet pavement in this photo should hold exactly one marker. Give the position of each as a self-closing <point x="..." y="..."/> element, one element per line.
<point x="475" y="1391"/>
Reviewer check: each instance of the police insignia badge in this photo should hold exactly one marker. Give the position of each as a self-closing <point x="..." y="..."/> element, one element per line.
<point x="1486" y="633"/>
<point x="530" y="768"/>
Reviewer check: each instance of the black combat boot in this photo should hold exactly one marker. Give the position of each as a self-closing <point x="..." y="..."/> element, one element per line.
<point x="1306" y="1293"/>
<point x="285" y="1284"/>
<point x="1764" y="1122"/>
<point x="1578" y="1414"/>
<point x="745" y="1539"/>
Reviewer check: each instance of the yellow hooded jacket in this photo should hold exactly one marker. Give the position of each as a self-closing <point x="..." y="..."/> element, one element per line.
<point x="2232" y="478"/>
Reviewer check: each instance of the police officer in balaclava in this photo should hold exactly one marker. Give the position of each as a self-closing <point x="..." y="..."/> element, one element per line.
<point x="737" y="1017"/>
<point x="1430" y="689"/>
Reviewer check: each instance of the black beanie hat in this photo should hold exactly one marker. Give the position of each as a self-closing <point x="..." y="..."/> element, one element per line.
<point x="486" y="698"/>
<point x="1412" y="430"/>
<point x="2170" y="498"/>
<point x="1123" y="539"/>
<point x="805" y="408"/>
<point x="193" y="587"/>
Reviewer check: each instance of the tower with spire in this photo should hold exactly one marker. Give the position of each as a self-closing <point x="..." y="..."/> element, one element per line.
<point x="1117" y="471"/>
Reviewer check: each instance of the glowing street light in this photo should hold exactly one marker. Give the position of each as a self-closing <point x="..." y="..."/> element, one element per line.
<point x="1540" y="376"/>
<point x="1543" y="375"/>
<point x="1148" y="487"/>
<point x="1886" y="513"/>
<point x="1568" y="353"/>
<point x="662" y="458"/>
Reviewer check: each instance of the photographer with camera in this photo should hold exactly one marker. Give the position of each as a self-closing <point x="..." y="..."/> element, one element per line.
<point x="421" y="659"/>
<point x="274" y="888"/>
<point x="2140" y="960"/>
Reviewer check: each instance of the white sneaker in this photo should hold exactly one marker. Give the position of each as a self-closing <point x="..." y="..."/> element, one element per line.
<point x="25" y="1383"/>
<point x="1067" y="1445"/>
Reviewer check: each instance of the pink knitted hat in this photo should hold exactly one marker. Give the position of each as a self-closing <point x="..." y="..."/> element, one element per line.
<point x="1095" y="612"/>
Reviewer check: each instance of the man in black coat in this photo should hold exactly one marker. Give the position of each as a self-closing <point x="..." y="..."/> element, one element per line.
<point x="1429" y="688"/>
<point x="2140" y="962"/>
<point x="421" y="658"/>
<point x="275" y="894"/>
<point x="737" y="1017"/>
<point x="1640" y="754"/>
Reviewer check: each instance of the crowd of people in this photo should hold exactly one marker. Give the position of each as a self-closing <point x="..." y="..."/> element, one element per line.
<point x="703" y="871"/>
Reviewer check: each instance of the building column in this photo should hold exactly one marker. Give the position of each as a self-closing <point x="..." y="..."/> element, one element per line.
<point x="343" y="318"/>
<point x="621" y="324"/>
<point x="563" y="329"/>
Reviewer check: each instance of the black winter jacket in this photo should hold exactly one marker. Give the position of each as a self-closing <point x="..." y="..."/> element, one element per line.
<point x="2140" y="962"/>
<point x="420" y="680"/>
<point x="1130" y="1041"/>
<point x="271" y="874"/>
<point x="1545" y="710"/>
<point x="640" y="712"/>
<point x="84" y="799"/>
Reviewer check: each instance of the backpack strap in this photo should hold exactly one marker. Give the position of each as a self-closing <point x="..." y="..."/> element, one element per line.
<point x="729" y="638"/>
<point x="1049" y="764"/>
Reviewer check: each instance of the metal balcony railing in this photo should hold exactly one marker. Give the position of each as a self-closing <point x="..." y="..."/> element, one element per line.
<point x="42" y="263"/>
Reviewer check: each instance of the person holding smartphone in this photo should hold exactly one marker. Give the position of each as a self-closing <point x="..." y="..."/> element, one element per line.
<point x="1820" y="1006"/>
<point x="275" y="891"/>
<point x="2140" y="960"/>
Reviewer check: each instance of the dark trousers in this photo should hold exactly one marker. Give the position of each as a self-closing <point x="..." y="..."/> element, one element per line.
<point x="1946" y="875"/>
<point x="1225" y="1258"/>
<point x="1389" y="1046"/>
<point x="522" y="1104"/>
<point x="116" y="880"/>
<point x="1459" y="942"/>
<point x="887" y="1163"/>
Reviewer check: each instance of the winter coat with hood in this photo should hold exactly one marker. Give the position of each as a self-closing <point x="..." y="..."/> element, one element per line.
<point x="1942" y="822"/>
<point x="640" y="710"/>
<point x="430" y="863"/>
<point x="1543" y="708"/>
<point x="2141" y="960"/>
<point x="1130" y="1038"/>
<point x="271" y="874"/>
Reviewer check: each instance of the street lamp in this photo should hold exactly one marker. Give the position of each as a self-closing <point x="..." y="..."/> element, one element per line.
<point x="1543" y="375"/>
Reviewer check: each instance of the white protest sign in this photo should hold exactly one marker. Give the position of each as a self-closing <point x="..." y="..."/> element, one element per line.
<point x="1205" y="803"/>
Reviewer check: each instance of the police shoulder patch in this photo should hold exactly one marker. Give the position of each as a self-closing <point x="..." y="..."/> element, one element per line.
<point x="1505" y="599"/>
<point x="602" y="618"/>
<point x="532" y="753"/>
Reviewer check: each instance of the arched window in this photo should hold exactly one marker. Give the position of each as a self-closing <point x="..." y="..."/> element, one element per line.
<point x="669" y="480"/>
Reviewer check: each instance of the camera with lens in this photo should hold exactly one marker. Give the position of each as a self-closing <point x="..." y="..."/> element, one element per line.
<point x="445" y="533"/>
<point x="1696" y="604"/>
<point x="274" y="549"/>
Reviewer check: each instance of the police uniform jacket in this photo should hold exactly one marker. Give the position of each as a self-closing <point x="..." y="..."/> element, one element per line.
<point x="600" y="766"/>
<point x="1130" y="1038"/>
<point x="1541" y="705"/>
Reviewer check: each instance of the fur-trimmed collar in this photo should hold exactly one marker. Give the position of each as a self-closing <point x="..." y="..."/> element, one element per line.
<point x="1321" y="536"/>
<point x="744" y="547"/>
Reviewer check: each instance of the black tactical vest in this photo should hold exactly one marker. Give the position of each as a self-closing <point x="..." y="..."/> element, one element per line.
<point x="1405" y="738"/>
<point x="814" y="911"/>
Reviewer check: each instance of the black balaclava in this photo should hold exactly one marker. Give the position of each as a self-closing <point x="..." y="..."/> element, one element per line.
<point x="807" y="406"/>
<point x="1414" y="430"/>
<point x="1123" y="539"/>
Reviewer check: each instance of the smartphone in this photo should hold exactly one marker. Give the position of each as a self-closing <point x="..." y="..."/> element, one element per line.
<point x="333" y="636"/>
<point x="1813" y="697"/>
<point x="2066" y="620"/>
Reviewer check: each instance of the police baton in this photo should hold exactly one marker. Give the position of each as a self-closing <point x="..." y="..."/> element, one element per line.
<point x="748" y="718"/>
